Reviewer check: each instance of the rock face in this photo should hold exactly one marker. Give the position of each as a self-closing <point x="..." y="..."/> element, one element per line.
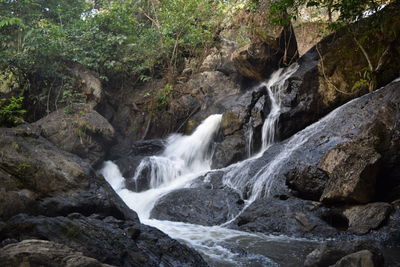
<point x="89" y="84"/>
<point x="199" y="206"/>
<point x="258" y="60"/>
<point x="360" y="132"/>
<point x="44" y="253"/>
<point x="80" y="130"/>
<point x="362" y="219"/>
<point x="50" y="194"/>
<point x="352" y="168"/>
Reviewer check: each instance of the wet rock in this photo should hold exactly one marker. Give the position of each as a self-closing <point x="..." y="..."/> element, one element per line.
<point x="352" y="168"/>
<point x="249" y="110"/>
<point x="364" y="218"/>
<point x="108" y="241"/>
<point x="258" y="60"/>
<point x="361" y="132"/>
<point x="284" y="215"/>
<point x="44" y="253"/>
<point x="361" y="258"/>
<point x="211" y="180"/>
<point x="232" y="149"/>
<point x="329" y="253"/>
<point x="128" y="156"/>
<point x="198" y="205"/>
<point x="80" y="130"/>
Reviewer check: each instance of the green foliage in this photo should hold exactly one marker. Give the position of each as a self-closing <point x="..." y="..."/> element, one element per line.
<point x="118" y="39"/>
<point x="282" y="11"/>
<point x="70" y="96"/>
<point x="163" y="96"/>
<point x="11" y="112"/>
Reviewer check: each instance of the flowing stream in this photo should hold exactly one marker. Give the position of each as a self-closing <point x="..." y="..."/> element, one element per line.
<point x="188" y="157"/>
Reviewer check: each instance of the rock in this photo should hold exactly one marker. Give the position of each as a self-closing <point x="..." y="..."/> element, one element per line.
<point x="248" y="111"/>
<point x="220" y="59"/>
<point x="44" y="253"/>
<point x="364" y="218"/>
<point x="284" y="215"/>
<point x="307" y="183"/>
<point x="367" y="126"/>
<point x="329" y="253"/>
<point x="80" y="130"/>
<point x="39" y="178"/>
<point x="128" y="156"/>
<point x="258" y="60"/>
<point x="230" y="150"/>
<point x="233" y="119"/>
<point x="105" y="239"/>
<point x="198" y="205"/>
<point x="363" y="258"/>
<point x="360" y="146"/>
<point x="89" y="84"/>
<point x="329" y="73"/>
<point x="352" y="168"/>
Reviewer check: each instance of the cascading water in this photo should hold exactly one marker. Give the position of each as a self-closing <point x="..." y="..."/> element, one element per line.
<point x="274" y="88"/>
<point x="186" y="158"/>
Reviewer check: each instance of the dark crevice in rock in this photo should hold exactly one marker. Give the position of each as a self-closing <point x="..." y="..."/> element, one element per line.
<point x="336" y="220"/>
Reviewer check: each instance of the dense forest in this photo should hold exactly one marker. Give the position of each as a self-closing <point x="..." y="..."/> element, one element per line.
<point x="124" y="42"/>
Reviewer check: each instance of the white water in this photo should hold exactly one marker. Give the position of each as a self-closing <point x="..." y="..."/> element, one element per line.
<point x="274" y="87"/>
<point x="186" y="158"/>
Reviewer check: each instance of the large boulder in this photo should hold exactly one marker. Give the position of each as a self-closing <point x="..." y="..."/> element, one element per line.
<point x="39" y="178"/>
<point x="364" y="218"/>
<point x="198" y="205"/>
<point x="352" y="168"/>
<point x="80" y="130"/>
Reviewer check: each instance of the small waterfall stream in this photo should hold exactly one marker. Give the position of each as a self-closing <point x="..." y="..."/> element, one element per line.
<point x="188" y="157"/>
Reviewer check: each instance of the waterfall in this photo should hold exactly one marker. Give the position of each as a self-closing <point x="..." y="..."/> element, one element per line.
<point x="185" y="157"/>
<point x="188" y="157"/>
<point x="249" y="137"/>
<point x="274" y="86"/>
